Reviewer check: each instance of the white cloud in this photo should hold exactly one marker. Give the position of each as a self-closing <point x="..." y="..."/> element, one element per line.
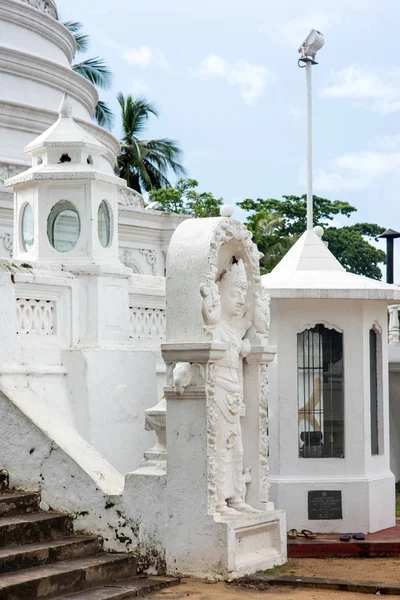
<point x="386" y="142"/>
<point x="379" y="89"/>
<point x="250" y="79"/>
<point x="139" y="88"/>
<point x="356" y="171"/>
<point x="145" y="57"/>
<point x="295" y="112"/>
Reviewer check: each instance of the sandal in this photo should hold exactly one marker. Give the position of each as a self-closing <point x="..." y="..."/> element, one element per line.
<point x="308" y="534"/>
<point x="358" y="536"/>
<point x="345" y="537"/>
<point x="292" y="534"/>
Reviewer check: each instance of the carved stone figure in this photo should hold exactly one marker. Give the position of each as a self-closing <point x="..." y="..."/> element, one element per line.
<point x="223" y="310"/>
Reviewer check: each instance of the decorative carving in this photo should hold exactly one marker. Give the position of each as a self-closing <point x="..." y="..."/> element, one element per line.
<point x="182" y="376"/>
<point x="147" y="323"/>
<point x="45" y="6"/>
<point x="197" y="374"/>
<point x="151" y="259"/>
<point x="394" y="328"/>
<point x="8" y="241"/>
<point x="126" y="257"/>
<point x="230" y="313"/>
<point x="131" y="198"/>
<point x="156" y="420"/>
<point x="7" y="171"/>
<point x="264" y="436"/>
<point x="228" y="322"/>
<point x="35" y="317"/>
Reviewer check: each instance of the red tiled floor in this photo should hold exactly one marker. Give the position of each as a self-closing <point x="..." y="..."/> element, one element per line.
<point x="380" y="543"/>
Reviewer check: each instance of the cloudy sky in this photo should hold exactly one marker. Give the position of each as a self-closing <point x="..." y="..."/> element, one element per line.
<point x="224" y="76"/>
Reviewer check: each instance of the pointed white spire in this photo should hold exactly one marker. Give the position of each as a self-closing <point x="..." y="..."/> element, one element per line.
<point x="65" y="110"/>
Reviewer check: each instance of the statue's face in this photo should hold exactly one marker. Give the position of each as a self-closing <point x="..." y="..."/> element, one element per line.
<point x="233" y="302"/>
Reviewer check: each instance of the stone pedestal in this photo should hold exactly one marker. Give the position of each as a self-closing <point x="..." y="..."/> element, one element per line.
<point x="198" y="541"/>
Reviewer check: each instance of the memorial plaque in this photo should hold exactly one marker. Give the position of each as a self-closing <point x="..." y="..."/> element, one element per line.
<point x="325" y="505"/>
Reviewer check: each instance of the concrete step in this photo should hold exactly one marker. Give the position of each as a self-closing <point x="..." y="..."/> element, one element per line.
<point x="16" y="558"/>
<point x="124" y="590"/>
<point x="66" y="577"/>
<point x="32" y="528"/>
<point x="14" y="503"/>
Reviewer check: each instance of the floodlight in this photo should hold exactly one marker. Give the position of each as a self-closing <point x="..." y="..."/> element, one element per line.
<point x="313" y="42"/>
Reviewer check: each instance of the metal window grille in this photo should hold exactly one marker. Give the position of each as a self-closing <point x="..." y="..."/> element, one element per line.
<point x="320" y="383"/>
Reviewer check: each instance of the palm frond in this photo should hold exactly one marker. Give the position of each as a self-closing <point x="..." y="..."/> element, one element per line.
<point x="103" y="115"/>
<point x="81" y="39"/>
<point x="96" y="71"/>
<point x="166" y="154"/>
<point x="135" y="114"/>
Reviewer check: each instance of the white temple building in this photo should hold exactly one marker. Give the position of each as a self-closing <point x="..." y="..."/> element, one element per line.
<point x="329" y="404"/>
<point x="292" y="401"/>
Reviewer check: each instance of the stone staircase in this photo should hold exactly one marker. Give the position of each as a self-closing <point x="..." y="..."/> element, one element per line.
<point x="40" y="557"/>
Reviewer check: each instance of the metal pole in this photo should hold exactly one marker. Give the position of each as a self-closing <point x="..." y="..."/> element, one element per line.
<point x="389" y="260"/>
<point x="309" y="148"/>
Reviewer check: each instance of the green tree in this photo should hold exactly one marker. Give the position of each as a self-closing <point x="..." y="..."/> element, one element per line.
<point x="145" y="164"/>
<point x="267" y="234"/>
<point x="183" y="198"/>
<point x="93" y="69"/>
<point x="350" y="244"/>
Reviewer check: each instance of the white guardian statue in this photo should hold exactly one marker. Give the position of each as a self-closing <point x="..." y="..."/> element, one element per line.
<point x="220" y="521"/>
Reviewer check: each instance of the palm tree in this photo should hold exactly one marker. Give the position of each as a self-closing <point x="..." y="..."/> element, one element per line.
<point x="95" y="70"/>
<point x="266" y="234"/>
<point x="145" y="163"/>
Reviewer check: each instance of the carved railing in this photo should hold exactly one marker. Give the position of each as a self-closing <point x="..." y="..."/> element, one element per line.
<point x="35" y="317"/>
<point x="147" y="323"/>
<point x="394" y="329"/>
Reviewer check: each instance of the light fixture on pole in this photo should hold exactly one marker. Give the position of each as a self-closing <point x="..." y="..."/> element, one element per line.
<point x="390" y="235"/>
<point x="308" y="50"/>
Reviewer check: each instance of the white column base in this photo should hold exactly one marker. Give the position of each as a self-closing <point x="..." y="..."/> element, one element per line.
<point x="368" y="502"/>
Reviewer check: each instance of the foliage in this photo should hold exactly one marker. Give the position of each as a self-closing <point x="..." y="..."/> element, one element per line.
<point x="276" y="224"/>
<point x="183" y="198"/>
<point x="93" y="69"/>
<point x="145" y="163"/>
<point x="267" y="234"/>
<point x="293" y="211"/>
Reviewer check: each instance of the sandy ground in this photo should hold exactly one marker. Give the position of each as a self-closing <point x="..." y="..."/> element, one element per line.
<point x="353" y="569"/>
<point x="192" y="589"/>
<point x="366" y="569"/>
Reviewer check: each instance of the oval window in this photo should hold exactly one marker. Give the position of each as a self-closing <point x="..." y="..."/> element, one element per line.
<point x="63" y="226"/>
<point x="104" y="224"/>
<point x="27" y="228"/>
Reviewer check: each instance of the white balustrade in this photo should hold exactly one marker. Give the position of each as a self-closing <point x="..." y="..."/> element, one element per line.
<point x="394" y="329"/>
<point x="147" y="323"/>
<point x="35" y="317"/>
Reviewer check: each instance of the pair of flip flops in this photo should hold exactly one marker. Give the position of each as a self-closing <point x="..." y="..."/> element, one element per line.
<point x="293" y="533"/>
<point x="346" y="537"/>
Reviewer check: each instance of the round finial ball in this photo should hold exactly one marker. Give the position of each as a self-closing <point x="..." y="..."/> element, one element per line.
<point x="319" y="231"/>
<point x="226" y="210"/>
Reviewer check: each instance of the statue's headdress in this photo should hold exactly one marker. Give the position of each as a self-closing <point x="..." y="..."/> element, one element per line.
<point x="235" y="276"/>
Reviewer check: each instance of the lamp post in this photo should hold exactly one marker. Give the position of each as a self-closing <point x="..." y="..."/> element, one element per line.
<point x="308" y="50"/>
<point x="390" y="235"/>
